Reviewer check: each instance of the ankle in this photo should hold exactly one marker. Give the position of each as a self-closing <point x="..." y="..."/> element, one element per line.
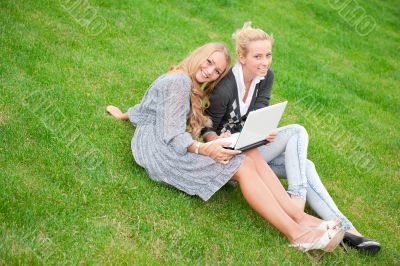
<point x="300" y="218"/>
<point x="354" y="232"/>
<point x="298" y="201"/>
<point x="308" y="236"/>
<point x="295" y="237"/>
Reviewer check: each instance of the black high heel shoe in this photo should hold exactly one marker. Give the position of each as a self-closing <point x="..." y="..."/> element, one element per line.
<point x="361" y="243"/>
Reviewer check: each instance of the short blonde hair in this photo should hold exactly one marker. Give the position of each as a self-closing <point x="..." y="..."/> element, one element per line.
<point x="248" y="34"/>
<point x="199" y="100"/>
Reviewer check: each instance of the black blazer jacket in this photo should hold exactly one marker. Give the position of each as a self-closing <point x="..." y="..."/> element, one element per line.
<point x="224" y="109"/>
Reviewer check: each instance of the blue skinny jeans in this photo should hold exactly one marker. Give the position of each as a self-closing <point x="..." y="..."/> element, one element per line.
<point x="287" y="157"/>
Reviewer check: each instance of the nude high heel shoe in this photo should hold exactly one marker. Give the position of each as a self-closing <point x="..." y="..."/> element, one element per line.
<point x="328" y="242"/>
<point x="328" y="225"/>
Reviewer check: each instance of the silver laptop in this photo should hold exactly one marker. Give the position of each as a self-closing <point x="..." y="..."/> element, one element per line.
<point x="259" y="124"/>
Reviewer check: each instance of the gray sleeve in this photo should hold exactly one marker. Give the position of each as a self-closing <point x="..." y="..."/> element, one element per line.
<point x="176" y="107"/>
<point x="132" y="114"/>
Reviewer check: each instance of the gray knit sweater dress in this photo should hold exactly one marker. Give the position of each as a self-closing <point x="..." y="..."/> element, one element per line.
<point x="160" y="141"/>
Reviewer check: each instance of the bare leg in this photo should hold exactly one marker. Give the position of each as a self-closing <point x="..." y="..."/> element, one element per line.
<point x="279" y="193"/>
<point x="262" y="200"/>
<point x="299" y="202"/>
<point x="116" y="112"/>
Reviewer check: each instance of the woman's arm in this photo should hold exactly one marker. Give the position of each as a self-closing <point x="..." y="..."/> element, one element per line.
<point x="214" y="150"/>
<point x="212" y="135"/>
<point x="173" y="113"/>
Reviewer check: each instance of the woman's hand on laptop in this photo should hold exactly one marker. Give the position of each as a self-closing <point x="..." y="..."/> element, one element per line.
<point x="271" y="137"/>
<point x="217" y="152"/>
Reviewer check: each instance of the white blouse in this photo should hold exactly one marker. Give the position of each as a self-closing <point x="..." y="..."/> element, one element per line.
<point x="237" y="71"/>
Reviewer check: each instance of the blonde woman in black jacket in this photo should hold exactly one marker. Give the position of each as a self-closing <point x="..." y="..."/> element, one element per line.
<point x="248" y="86"/>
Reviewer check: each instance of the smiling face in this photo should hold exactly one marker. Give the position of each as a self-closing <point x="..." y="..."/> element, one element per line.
<point x="257" y="60"/>
<point x="212" y="68"/>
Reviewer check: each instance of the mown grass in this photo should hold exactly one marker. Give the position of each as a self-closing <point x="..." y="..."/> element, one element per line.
<point x="70" y="192"/>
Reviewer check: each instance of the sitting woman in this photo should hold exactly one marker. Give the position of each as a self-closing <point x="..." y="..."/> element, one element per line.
<point x="168" y="121"/>
<point x="247" y="87"/>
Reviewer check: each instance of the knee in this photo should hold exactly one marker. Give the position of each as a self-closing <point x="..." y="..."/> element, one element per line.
<point x="249" y="163"/>
<point x="311" y="172"/>
<point x="253" y="154"/>
<point x="299" y="128"/>
<point x="245" y="170"/>
<point x="300" y="131"/>
<point x="310" y="164"/>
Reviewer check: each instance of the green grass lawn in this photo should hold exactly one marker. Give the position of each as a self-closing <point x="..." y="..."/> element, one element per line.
<point x="70" y="191"/>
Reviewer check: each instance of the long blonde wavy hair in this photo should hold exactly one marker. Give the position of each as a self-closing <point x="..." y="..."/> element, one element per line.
<point x="199" y="99"/>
